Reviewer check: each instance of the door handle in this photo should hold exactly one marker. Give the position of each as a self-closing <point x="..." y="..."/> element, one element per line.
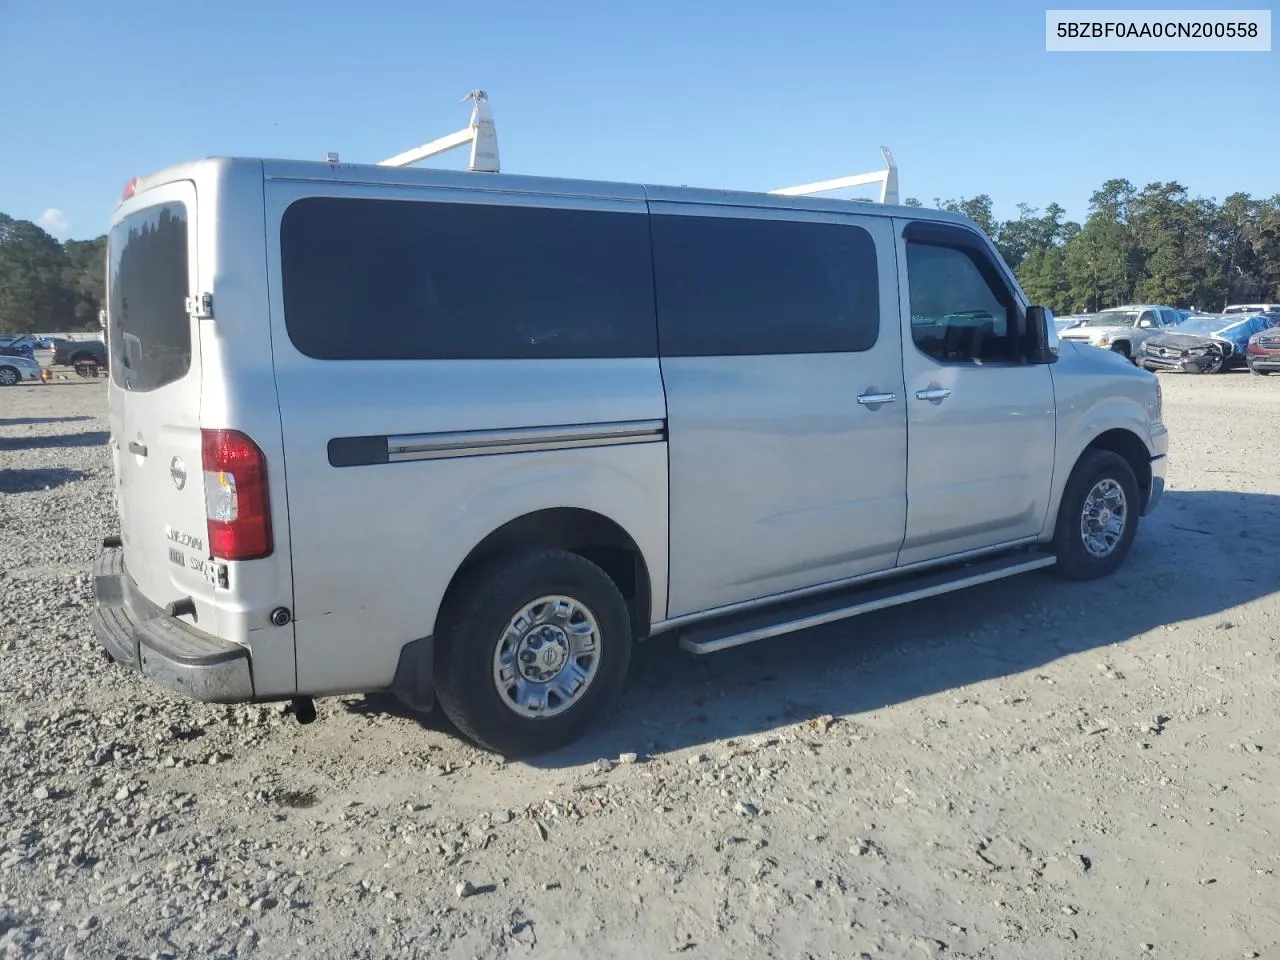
<point x="933" y="393"/>
<point x="867" y="399"/>
<point x="138" y="448"/>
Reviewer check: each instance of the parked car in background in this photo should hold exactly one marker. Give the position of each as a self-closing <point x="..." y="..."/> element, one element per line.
<point x="1252" y="308"/>
<point x="1206" y="344"/>
<point x="1122" y="329"/>
<point x="17" y="345"/>
<point x="73" y="352"/>
<point x="1070" y="320"/>
<point x="18" y="369"/>
<point x="1262" y="353"/>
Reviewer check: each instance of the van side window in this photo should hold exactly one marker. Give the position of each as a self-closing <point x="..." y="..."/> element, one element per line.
<point x="424" y="280"/>
<point x="148" y="327"/>
<point x="959" y="314"/>
<point x="744" y="286"/>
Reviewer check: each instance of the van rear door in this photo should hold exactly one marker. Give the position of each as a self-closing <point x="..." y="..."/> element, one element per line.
<point x="154" y="394"/>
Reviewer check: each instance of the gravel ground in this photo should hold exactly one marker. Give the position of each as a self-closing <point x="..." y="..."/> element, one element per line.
<point x="1029" y="769"/>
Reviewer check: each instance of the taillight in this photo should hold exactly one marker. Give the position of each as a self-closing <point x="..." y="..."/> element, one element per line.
<point x="235" y="494"/>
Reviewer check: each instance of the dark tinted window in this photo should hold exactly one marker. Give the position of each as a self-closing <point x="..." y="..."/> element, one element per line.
<point x="148" y="329"/>
<point x="733" y="286"/>
<point x="960" y="311"/>
<point x="419" y="280"/>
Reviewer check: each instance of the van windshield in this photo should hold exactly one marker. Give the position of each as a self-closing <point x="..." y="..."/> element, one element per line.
<point x="148" y="329"/>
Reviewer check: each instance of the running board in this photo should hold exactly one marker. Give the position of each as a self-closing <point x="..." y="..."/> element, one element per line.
<point x="810" y="612"/>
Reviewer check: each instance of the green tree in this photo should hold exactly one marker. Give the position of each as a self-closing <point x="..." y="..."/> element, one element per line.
<point x="86" y="276"/>
<point x="33" y="291"/>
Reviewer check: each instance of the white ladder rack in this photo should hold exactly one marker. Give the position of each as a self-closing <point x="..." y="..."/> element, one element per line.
<point x="482" y="135"/>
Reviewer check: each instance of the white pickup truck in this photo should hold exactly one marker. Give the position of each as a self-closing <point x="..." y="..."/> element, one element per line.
<point x="1123" y="330"/>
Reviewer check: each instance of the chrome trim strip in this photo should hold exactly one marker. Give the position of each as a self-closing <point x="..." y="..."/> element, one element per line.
<point x="476" y="443"/>
<point x="834" y="585"/>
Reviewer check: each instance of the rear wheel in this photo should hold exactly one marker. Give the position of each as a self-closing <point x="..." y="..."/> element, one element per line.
<point x="531" y="651"/>
<point x="9" y="376"/>
<point x="1098" y="517"/>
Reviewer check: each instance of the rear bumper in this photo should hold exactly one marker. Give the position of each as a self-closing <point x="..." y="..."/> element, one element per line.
<point x="165" y="650"/>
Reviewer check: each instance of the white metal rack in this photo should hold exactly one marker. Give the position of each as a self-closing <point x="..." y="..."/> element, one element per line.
<point x="887" y="178"/>
<point x="482" y="135"/>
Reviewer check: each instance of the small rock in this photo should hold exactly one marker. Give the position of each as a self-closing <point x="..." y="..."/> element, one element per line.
<point x="747" y="809"/>
<point x="465" y="889"/>
<point x="551" y="886"/>
<point x="1205" y="881"/>
<point x="1069" y="910"/>
<point x="696" y="759"/>
<point x="88" y="923"/>
<point x="603" y="766"/>
<point x="40" y="793"/>
<point x="628" y="757"/>
<point x="1148" y="947"/>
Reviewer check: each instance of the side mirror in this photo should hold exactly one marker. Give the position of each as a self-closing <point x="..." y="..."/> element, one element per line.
<point x="1145" y="324"/>
<point x="1042" y="335"/>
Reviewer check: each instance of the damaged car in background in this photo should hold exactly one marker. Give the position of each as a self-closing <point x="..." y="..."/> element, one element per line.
<point x="1123" y="330"/>
<point x="1205" y="344"/>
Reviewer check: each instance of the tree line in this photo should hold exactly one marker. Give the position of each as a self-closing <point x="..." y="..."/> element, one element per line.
<point x="1154" y="245"/>
<point x="47" y="286"/>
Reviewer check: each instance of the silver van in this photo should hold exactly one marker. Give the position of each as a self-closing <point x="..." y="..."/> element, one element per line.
<point x="468" y="437"/>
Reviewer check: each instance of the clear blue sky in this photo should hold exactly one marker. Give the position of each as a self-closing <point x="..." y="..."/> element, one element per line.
<point x="745" y="95"/>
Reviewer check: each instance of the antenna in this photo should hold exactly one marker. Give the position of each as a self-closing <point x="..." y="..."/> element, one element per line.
<point x="480" y="133"/>
<point x="887" y="178"/>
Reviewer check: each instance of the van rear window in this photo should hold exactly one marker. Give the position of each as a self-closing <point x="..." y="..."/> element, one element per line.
<point x="148" y="328"/>
<point x="423" y="280"/>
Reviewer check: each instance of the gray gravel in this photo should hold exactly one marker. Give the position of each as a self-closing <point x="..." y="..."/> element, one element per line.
<point x="1028" y="769"/>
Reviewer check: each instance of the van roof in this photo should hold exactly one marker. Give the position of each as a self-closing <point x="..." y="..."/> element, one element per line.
<point x="361" y="173"/>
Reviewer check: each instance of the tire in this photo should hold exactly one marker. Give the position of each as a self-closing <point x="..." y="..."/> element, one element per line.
<point x="1094" y="473"/>
<point x="9" y="376"/>
<point x="1124" y="351"/>
<point x="477" y="621"/>
<point x="1259" y="373"/>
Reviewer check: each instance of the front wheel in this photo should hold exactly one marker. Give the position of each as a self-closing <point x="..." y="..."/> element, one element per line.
<point x="1259" y="373"/>
<point x="9" y="376"/>
<point x="1122" y="348"/>
<point x="1098" y="517"/>
<point x="531" y="651"/>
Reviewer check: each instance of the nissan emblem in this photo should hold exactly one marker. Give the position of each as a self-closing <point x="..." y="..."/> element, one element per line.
<point x="178" y="472"/>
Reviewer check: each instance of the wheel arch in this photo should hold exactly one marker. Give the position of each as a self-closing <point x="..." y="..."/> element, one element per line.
<point x="1117" y="424"/>
<point x="1130" y="446"/>
<point x="591" y="535"/>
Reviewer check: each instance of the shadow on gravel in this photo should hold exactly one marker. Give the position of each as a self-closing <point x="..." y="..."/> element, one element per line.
<point x="29" y="481"/>
<point x="92" y="438"/>
<point x="35" y="421"/>
<point x="1200" y="554"/>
